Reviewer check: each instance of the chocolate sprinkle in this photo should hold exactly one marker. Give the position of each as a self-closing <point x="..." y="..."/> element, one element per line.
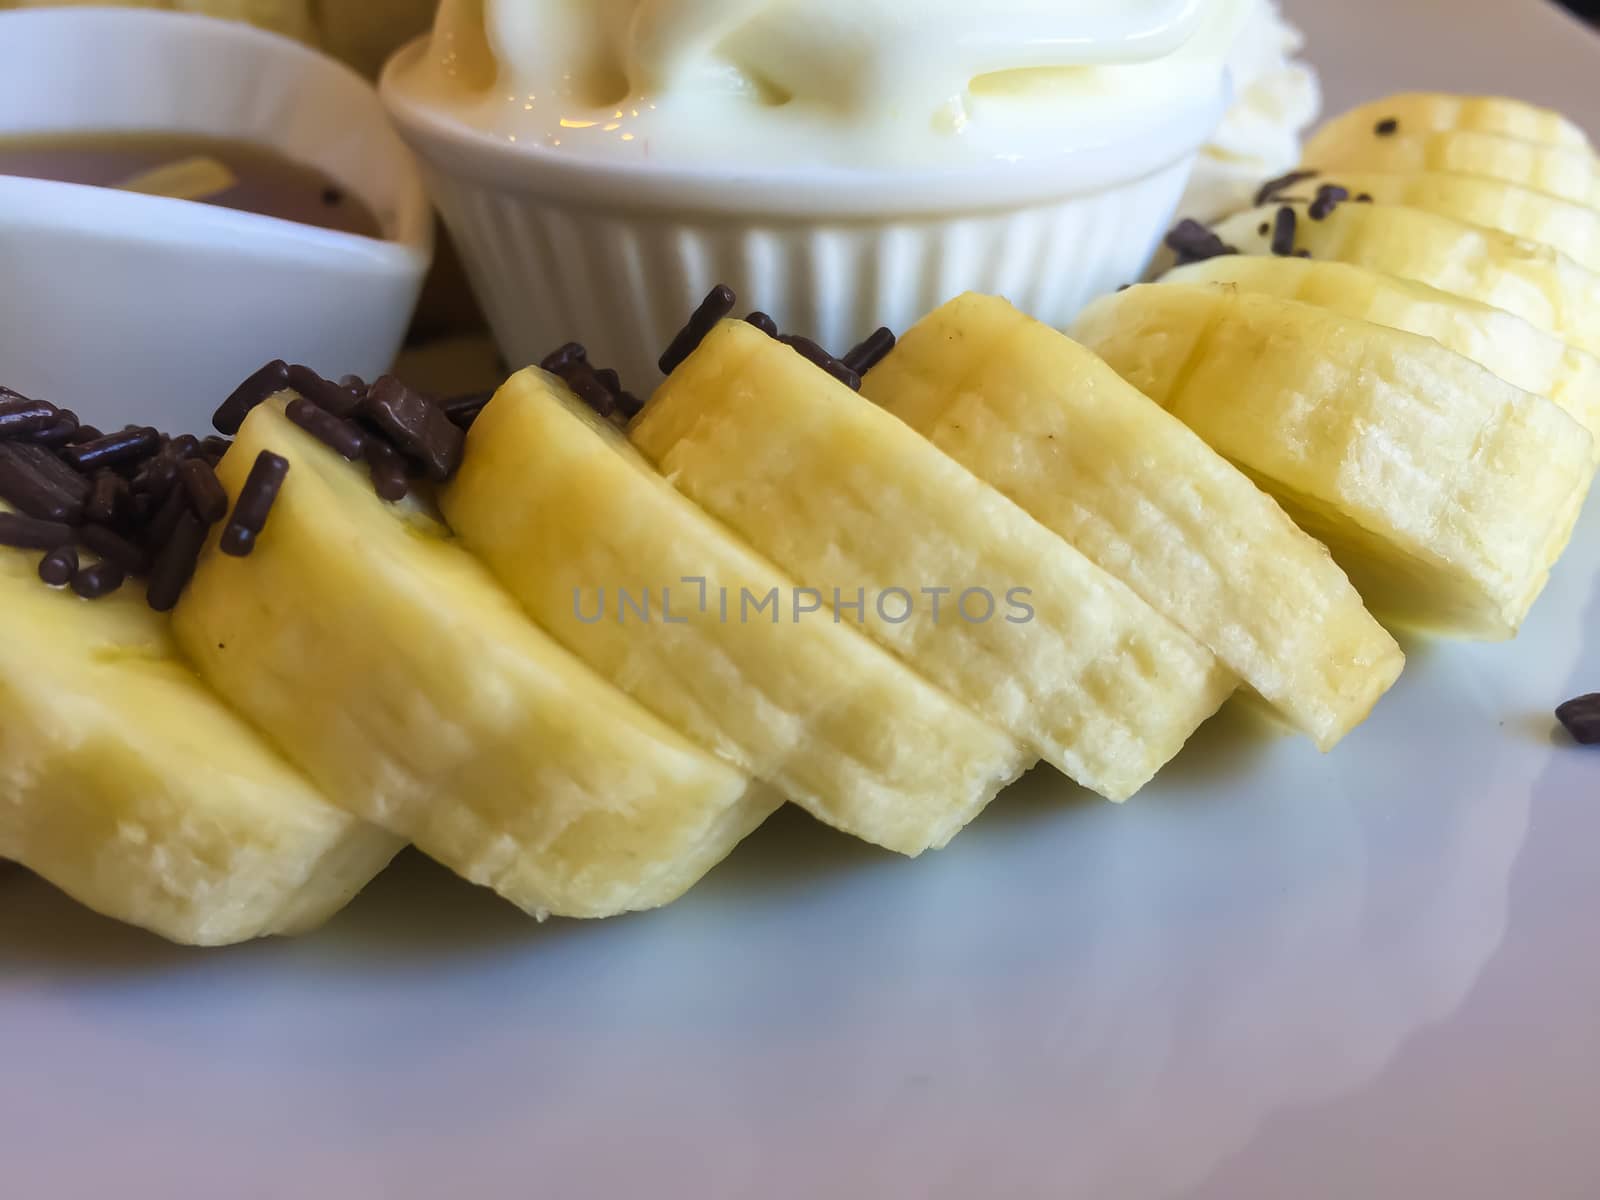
<point x="1274" y="188"/>
<point x="21" y="417"/>
<point x="609" y="379"/>
<point x="763" y="322"/>
<point x="99" y="580"/>
<point x="589" y="386"/>
<point x="159" y="525"/>
<point x="62" y="432"/>
<point x="1192" y="242"/>
<point x="174" y="566"/>
<point x="1582" y="719"/>
<point x="871" y="351"/>
<point x="113" y="547"/>
<point x="158" y="476"/>
<point x="629" y="405"/>
<point x="344" y="438"/>
<point x="29" y="533"/>
<point x="84" y="433"/>
<point x="269" y="380"/>
<point x="463" y="410"/>
<point x="388" y="470"/>
<point x="560" y="359"/>
<point x="338" y="399"/>
<point x="417" y="426"/>
<point x="814" y="353"/>
<point x="1329" y="197"/>
<point x="213" y="448"/>
<point x="1387" y="127"/>
<point x="1283" y="230"/>
<point x="254" y="505"/>
<point x="131" y="445"/>
<point x="39" y="484"/>
<point x="60" y="566"/>
<point x="599" y="388"/>
<point x="108" y="499"/>
<point x="715" y="307"/>
<point x="208" y="499"/>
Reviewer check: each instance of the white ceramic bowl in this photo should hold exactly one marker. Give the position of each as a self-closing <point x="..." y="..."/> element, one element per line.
<point x="126" y="307"/>
<point x="616" y="255"/>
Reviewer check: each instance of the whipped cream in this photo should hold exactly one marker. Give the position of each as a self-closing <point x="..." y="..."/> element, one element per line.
<point x="848" y="83"/>
<point x="1276" y="98"/>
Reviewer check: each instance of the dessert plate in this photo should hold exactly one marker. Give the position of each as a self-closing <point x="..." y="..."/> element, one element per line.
<point x="1273" y="974"/>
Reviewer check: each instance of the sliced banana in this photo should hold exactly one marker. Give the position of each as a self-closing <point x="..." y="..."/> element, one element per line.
<point x="1426" y="112"/>
<point x="130" y="786"/>
<point x="393" y="669"/>
<point x="1569" y="227"/>
<point x="1569" y="172"/>
<point x="1055" y="429"/>
<point x="1537" y="283"/>
<point x="1513" y="349"/>
<point x="1445" y="492"/>
<point x="965" y="586"/>
<point x="647" y="589"/>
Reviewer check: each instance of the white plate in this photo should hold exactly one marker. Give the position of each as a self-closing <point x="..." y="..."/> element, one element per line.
<point x="1273" y="975"/>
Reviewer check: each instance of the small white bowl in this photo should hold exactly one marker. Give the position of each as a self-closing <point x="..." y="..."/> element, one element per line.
<point x="128" y="307"/>
<point x="616" y="255"/>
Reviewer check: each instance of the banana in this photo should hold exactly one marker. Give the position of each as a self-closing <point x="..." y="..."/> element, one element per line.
<point x="933" y="563"/>
<point x="633" y="578"/>
<point x="132" y="788"/>
<point x="392" y="668"/>
<point x="1535" y="282"/>
<point x="1040" y="418"/>
<point x="1427" y="112"/>
<point x="1568" y="172"/>
<point x="1573" y="229"/>
<point x="1513" y="349"/>
<point x="1446" y="493"/>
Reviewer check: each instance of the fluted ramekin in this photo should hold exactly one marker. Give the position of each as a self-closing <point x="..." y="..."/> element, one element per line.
<point x="616" y="254"/>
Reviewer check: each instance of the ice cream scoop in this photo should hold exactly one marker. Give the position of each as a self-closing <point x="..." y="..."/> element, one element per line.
<point x="846" y="82"/>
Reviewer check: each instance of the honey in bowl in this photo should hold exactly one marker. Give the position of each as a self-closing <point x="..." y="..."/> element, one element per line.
<point x="217" y="171"/>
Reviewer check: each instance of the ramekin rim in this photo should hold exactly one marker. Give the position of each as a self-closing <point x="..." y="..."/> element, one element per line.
<point x="103" y="212"/>
<point x="448" y="144"/>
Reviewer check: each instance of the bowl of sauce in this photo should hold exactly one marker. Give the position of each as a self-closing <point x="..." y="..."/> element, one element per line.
<point x="182" y="199"/>
<point x="238" y="175"/>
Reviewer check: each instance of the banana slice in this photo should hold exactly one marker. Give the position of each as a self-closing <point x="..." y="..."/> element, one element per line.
<point x="396" y="672"/>
<point x="634" y="579"/>
<point x="1513" y="349"/>
<point x="1445" y="492"/>
<point x="1055" y="429"/>
<point x="1427" y="112"/>
<point x="964" y="585"/>
<point x="132" y="788"/>
<point x="1573" y="229"/>
<point x="1535" y="282"/>
<point x="1569" y="172"/>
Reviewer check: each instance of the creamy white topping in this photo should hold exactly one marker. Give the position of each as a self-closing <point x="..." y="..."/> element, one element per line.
<point x="1277" y="98"/>
<point x="850" y="83"/>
